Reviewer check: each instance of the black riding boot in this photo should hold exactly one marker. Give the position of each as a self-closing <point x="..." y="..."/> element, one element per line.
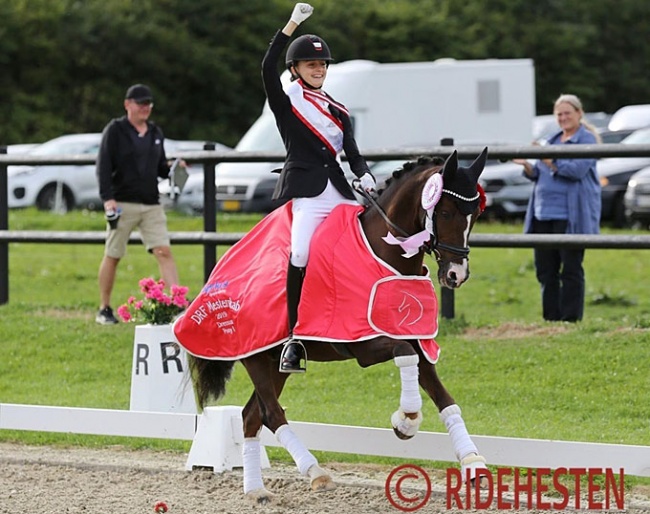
<point x="293" y="350"/>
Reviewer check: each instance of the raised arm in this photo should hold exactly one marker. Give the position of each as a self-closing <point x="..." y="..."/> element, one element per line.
<point x="301" y="12"/>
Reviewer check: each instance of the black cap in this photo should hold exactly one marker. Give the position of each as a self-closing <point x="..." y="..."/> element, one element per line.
<point x="138" y="92"/>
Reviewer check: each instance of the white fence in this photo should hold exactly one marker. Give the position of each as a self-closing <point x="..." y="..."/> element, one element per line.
<point x="502" y="451"/>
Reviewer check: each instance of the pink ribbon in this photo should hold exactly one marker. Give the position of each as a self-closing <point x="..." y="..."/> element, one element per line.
<point x="411" y="245"/>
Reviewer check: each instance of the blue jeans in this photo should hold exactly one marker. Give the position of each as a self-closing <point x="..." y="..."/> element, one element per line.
<point x="560" y="273"/>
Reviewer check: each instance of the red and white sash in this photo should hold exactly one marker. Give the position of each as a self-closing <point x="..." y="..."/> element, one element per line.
<point x="311" y="107"/>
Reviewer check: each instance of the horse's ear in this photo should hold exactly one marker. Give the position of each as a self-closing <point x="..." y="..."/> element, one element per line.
<point x="479" y="163"/>
<point x="451" y="165"/>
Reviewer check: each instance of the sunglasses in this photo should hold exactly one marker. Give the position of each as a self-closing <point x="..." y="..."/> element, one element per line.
<point x="144" y="102"/>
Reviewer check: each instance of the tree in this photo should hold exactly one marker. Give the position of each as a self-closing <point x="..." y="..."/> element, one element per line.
<point x="67" y="63"/>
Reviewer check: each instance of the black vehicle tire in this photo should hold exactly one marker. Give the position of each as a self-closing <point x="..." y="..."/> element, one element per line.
<point x="46" y="199"/>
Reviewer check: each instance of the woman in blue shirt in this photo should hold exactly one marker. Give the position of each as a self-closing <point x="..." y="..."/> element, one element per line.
<point x="566" y="199"/>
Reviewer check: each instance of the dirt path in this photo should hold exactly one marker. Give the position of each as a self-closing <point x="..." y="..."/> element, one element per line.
<point x="45" y="480"/>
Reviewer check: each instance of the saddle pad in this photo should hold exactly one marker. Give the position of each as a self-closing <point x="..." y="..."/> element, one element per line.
<point x="404" y="307"/>
<point x="351" y="295"/>
<point x="242" y="308"/>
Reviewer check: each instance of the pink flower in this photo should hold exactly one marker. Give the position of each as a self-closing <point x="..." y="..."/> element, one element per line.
<point x="146" y="284"/>
<point x="124" y="313"/>
<point x="179" y="301"/>
<point x="157" y="307"/>
<point x="179" y="290"/>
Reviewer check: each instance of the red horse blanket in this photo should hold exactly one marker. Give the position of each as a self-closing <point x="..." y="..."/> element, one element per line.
<point x="348" y="295"/>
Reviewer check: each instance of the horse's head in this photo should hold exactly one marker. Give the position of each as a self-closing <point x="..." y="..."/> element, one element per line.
<point x="460" y="204"/>
<point x="428" y="206"/>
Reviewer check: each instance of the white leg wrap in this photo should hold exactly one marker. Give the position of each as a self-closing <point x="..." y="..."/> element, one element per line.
<point x="410" y="399"/>
<point x="301" y="455"/>
<point x="251" y="455"/>
<point x="460" y="440"/>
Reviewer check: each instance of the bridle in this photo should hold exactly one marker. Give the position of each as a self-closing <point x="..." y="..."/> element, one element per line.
<point x="432" y="246"/>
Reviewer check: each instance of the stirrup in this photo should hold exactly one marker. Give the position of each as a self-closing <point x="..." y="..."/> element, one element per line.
<point x="292" y="353"/>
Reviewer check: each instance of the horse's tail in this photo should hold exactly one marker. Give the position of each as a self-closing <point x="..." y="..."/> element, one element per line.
<point x="210" y="378"/>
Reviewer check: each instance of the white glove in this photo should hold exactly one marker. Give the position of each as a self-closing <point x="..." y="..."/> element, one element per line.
<point x="301" y="12"/>
<point x="368" y="183"/>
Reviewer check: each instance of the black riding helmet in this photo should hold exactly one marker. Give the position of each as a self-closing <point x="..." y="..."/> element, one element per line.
<point x="308" y="48"/>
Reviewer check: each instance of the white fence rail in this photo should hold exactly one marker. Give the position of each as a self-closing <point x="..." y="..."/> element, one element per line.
<point x="502" y="451"/>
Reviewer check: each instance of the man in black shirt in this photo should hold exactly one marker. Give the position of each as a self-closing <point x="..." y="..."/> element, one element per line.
<point x="130" y="161"/>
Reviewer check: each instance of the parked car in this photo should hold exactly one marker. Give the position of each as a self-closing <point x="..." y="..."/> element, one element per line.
<point x="506" y="190"/>
<point x="624" y="122"/>
<point x="637" y="198"/>
<point x="64" y="187"/>
<point x="248" y="186"/>
<point x="614" y="173"/>
<point x="57" y="187"/>
<point x="21" y="148"/>
<point x="630" y="117"/>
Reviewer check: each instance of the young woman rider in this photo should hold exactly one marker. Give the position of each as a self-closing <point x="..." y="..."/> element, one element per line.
<point x="315" y="129"/>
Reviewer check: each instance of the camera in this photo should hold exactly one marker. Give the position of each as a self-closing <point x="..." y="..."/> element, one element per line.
<point x="113" y="216"/>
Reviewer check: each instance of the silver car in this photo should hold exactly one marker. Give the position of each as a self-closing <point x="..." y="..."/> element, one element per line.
<point x="637" y="198"/>
<point x="57" y="187"/>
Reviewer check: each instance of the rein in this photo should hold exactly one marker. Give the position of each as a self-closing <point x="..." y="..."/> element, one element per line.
<point x="432" y="245"/>
<point x="381" y="211"/>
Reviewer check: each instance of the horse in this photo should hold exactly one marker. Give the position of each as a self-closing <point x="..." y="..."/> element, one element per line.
<point x="428" y="205"/>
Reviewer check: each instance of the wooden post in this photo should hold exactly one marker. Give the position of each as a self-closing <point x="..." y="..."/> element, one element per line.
<point x="209" y="214"/>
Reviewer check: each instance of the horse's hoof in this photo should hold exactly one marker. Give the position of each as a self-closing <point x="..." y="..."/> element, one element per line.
<point x="320" y="479"/>
<point x="483" y="484"/>
<point x="323" y="483"/>
<point x="402" y="436"/>
<point x="260" y="496"/>
<point x="469" y="466"/>
<point x="403" y="426"/>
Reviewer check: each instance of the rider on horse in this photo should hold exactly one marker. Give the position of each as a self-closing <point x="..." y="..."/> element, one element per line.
<point x="315" y="129"/>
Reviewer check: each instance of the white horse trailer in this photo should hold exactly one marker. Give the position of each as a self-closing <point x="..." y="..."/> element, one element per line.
<point x="399" y="105"/>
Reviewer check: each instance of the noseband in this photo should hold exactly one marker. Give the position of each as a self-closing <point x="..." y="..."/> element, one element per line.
<point x="432" y="246"/>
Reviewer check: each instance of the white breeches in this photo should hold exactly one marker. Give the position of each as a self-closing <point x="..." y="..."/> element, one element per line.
<point x="308" y="214"/>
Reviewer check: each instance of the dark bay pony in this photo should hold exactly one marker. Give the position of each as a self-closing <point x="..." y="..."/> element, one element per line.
<point x="424" y="206"/>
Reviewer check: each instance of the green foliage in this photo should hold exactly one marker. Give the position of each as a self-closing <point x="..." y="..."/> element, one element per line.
<point x="67" y="63"/>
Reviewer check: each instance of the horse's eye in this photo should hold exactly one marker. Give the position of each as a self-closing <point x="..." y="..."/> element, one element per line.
<point x="443" y="213"/>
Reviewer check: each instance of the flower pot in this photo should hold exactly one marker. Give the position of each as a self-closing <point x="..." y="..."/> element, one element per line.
<point x="159" y="376"/>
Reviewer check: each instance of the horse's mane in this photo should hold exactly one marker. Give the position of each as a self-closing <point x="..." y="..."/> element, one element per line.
<point x="422" y="162"/>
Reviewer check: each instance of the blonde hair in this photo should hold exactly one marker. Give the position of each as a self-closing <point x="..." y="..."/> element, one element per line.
<point x="575" y="102"/>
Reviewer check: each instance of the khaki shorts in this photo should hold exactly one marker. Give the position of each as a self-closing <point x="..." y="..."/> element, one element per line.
<point x="151" y="222"/>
